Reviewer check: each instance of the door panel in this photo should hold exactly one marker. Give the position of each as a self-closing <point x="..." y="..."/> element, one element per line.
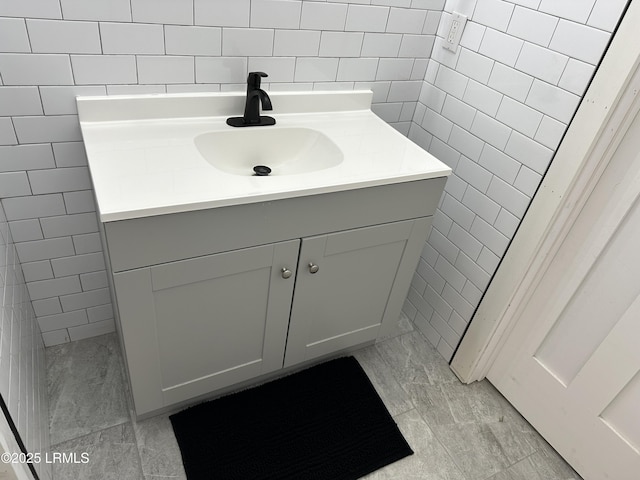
<point x="215" y="321"/>
<point x="598" y="297"/>
<point x="197" y="325"/>
<point x="617" y="413"/>
<point x="344" y="302"/>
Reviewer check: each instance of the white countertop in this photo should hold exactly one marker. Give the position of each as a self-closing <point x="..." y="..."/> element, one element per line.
<point x="144" y="162"/>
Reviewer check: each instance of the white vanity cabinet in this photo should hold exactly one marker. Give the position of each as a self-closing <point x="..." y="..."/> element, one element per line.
<point x="213" y="298"/>
<point x="221" y="279"/>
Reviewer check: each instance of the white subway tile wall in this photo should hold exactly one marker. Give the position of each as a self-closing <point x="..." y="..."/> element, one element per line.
<point x="53" y="50"/>
<point x="23" y="383"/>
<point x="495" y="111"/>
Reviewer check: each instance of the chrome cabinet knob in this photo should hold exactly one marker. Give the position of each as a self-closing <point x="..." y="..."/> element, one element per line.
<point x="313" y="268"/>
<point x="286" y="273"/>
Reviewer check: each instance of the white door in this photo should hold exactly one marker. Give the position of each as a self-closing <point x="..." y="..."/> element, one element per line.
<point x="571" y="365"/>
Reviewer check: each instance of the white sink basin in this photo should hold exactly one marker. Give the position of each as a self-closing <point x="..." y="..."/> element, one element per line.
<point x="287" y="151"/>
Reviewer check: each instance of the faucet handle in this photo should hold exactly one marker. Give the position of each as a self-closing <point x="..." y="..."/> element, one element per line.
<point x="253" y="80"/>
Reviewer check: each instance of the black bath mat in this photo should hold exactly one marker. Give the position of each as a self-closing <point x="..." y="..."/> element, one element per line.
<point x="323" y="423"/>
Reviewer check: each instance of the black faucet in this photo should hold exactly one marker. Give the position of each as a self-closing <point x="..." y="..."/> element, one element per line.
<point x="255" y="97"/>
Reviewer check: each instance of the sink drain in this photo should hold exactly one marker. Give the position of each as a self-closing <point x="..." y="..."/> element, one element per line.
<point x="261" y="171"/>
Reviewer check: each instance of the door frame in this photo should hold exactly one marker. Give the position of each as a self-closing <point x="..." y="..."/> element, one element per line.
<point x="603" y="117"/>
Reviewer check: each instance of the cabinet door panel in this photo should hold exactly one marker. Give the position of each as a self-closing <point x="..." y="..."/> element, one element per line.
<point x="344" y="303"/>
<point x="209" y="322"/>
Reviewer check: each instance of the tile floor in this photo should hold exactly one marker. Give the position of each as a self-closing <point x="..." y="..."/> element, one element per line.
<point x="458" y="432"/>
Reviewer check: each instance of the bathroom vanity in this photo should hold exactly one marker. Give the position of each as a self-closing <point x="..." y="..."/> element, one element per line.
<point x="220" y="277"/>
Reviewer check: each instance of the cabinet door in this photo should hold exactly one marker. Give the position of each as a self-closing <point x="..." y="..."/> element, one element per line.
<point x="362" y="278"/>
<point x="194" y="326"/>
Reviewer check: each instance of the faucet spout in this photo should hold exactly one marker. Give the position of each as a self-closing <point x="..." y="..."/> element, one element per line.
<point x="256" y="97"/>
<point x="265" y="100"/>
